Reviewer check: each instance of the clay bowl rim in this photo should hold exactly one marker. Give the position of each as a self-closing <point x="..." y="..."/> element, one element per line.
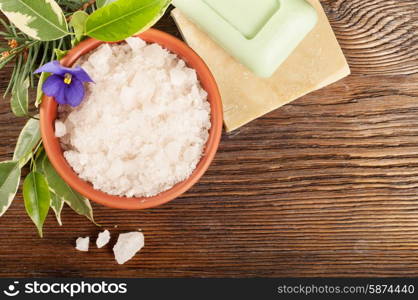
<point x="48" y="113"/>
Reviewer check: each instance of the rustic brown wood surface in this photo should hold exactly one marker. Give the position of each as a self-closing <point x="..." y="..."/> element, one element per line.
<point x="325" y="186"/>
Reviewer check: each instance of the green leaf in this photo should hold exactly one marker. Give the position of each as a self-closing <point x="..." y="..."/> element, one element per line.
<point x="40" y="19"/>
<point x="20" y="98"/>
<point x="101" y="3"/>
<point x="29" y="137"/>
<point x="78" y="22"/>
<point x="124" y="18"/>
<point x="9" y="183"/>
<point x="39" y="92"/>
<point x="73" y="199"/>
<point x="39" y="158"/>
<point x="37" y="198"/>
<point x="57" y="204"/>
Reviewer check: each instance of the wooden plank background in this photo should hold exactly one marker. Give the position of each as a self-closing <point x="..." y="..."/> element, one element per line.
<point x="326" y="186"/>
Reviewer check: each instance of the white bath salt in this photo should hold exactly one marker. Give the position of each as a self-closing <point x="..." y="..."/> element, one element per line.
<point x="82" y="244"/>
<point x="127" y="246"/>
<point x="60" y="129"/>
<point x="143" y="124"/>
<point x="103" y="238"/>
<point x="135" y="43"/>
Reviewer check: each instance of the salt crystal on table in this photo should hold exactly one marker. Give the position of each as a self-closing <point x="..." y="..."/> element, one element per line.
<point x="103" y="238"/>
<point x="82" y="244"/>
<point x="127" y="246"/>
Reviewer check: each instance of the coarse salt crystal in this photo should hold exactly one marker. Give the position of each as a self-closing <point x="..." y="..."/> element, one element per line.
<point x="82" y="244"/>
<point x="156" y="55"/>
<point x="127" y="246"/>
<point x="135" y="43"/>
<point x="178" y="76"/>
<point x="143" y="125"/>
<point x="60" y="129"/>
<point x="103" y="238"/>
<point x="101" y="57"/>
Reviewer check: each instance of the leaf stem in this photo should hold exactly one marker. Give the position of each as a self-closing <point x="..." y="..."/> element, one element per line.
<point x="32" y="163"/>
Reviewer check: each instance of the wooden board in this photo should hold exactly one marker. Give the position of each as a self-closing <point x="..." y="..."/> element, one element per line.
<point x="325" y="186"/>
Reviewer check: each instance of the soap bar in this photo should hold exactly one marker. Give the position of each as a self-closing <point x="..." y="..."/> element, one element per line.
<point x="317" y="61"/>
<point x="260" y="34"/>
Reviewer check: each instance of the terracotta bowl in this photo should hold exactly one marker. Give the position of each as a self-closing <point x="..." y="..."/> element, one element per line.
<point x="54" y="151"/>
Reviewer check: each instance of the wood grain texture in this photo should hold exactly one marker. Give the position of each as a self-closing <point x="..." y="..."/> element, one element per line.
<point x="380" y="37"/>
<point x="325" y="186"/>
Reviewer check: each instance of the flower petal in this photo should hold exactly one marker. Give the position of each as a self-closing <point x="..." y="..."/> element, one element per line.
<point x="60" y="97"/>
<point x="53" y="67"/>
<point x="56" y="68"/>
<point x="53" y="85"/>
<point x="80" y="74"/>
<point x="74" y="93"/>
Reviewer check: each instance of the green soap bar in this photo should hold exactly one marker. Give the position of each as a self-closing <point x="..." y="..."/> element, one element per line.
<point x="260" y="34"/>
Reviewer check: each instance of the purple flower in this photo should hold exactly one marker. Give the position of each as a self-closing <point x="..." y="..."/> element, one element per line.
<point x="65" y="84"/>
